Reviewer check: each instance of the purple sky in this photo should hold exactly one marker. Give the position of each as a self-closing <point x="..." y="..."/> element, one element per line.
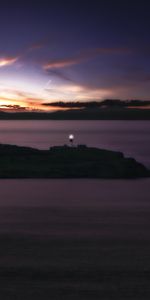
<point x="73" y="51"/>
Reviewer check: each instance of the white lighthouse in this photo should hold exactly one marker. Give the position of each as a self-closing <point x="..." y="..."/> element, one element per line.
<point x="71" y="139"/>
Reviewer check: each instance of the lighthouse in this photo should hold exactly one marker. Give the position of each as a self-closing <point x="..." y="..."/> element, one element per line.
<point x="71" y="139"/>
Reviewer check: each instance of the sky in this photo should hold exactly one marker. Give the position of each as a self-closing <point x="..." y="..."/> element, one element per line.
<point x="73" y="51"/>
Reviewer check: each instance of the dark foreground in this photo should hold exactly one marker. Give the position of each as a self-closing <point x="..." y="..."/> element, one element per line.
<point x="74" y="254"/>
<point x="89" y="240"/>
<point x="67" y="162"/>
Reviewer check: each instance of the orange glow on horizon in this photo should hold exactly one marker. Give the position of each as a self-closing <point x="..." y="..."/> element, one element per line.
<point x="13" y="105"/>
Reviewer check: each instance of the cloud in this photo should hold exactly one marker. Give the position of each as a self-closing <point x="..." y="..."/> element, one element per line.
<point x="83" y="56"/>
<point x="14" y="107"/>
<point x="29" y="48"/>
<point x="62" y="63"/>
<point x="38" y="45"/>
<point x="73" y="104"/>
<point x="13" y="99"/>
<point x="6" y="61"/>
<point x="76" y="93"/>
<point x="59" y="74"/>
<point x="10" y="96"/>
<point x="98" y="104"/>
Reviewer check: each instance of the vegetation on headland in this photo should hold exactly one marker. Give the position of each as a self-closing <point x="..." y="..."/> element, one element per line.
<point x="67" y="162"/>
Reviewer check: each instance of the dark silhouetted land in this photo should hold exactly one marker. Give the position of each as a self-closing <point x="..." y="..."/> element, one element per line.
<point x="109" y="109"/>
<point x="81" y="114"/>
<point x="67" y="162"/>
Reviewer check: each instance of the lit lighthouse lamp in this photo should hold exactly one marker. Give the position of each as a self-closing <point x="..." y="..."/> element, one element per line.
<point x="71" y="139"/>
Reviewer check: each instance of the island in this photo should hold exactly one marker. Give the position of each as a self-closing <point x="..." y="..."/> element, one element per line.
<point x="67" y="162"/>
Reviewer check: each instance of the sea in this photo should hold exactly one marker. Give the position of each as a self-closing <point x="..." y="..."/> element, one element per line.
<point x="76" y="238"/>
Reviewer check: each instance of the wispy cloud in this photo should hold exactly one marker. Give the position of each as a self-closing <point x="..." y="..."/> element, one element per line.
<point x="77" y="93"/>
<point x="39" y="44"/>
<point x="99" y="104"/>
<point x="6" y="61"/>
<point x="9" y="96"/>
<point x="83" y="56"/>
<point x="13" y="99"/>
<point x="14" y="108"/>
<point x="60" y="74"/>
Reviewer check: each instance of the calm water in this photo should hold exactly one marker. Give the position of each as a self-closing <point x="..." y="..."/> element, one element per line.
<point x="130" y="137"/>
<point x="76" y="239"/>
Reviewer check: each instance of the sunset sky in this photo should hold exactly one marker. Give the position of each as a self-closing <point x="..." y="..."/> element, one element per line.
<point x="73" y="51"/>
